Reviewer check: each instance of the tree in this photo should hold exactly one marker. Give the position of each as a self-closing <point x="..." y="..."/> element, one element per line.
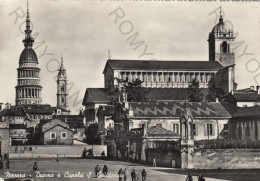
<point x="135" y="92"/>
<point x="214" y="92"/>
<point x="92" y="134"/>
<point x="194" y="91"/>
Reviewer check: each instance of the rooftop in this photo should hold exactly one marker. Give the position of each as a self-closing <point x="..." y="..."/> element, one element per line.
<point x="162" y="65"/>
<point x="177" y="108"/>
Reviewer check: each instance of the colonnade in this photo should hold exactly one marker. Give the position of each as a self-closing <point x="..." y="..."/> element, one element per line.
<point x="29" y="93"/>
<point x="166" y="77"/>
<point x="28" y="73"/>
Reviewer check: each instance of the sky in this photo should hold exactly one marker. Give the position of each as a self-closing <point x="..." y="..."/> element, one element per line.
<point x="83" y="31"/>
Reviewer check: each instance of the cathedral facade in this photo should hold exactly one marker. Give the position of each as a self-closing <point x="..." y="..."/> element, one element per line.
<point x="28" y="89"/>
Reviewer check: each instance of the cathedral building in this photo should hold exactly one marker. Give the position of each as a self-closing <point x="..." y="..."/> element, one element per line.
<point x="28" y="89"/>
<point x="179" y="74"/>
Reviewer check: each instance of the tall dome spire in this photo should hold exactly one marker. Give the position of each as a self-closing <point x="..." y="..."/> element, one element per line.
<point x="28" y="41"/>
<point x="28" y="89"/>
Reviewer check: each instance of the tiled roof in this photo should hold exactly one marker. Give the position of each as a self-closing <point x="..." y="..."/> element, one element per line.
<point x="231" y="108"/>
<point x="164" y="94"/>
<point x="163" y="65"/>
<point x="13" y="111"/>
<point x="159" y="131"/>
<point x="17" y="126"/>
<point x="177" y="108"/>
<point x="245" y="96"/>
<point x="74" y="121"/>
<point x="97" y="95"/>
<point x="56" y="126"/>
<point x="247" y="112"/>
<point x="38" y="109"/>
<point x="101" y="95"/>
<point x="107" y="110"/>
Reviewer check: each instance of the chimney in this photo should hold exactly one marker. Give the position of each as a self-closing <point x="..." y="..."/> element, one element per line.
<point x="217" y="100"/>
<point x="1" y="106"/>
<point x="7" y="106"/>
<point x="258" y="89"/>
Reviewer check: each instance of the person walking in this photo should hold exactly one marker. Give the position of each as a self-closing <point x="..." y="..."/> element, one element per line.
<point x="120" y="174"/>
<point x="143" y="175"/>
<point x="97" y="170"/>
<point x="154" y="162"/>
<point x="133" y="175"/>
<point x="7" y="165"/>
<point x="105" y="170"/>
<point x="189" y="177"/>
<point x="58" y="158"/>
<point x="35" y="166"/>
<point x="124" y="172"/>
<point x="201" y="178"/>
<point x="1" y="165"/>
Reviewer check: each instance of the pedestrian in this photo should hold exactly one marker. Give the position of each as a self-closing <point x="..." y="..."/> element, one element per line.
<point x="189" y="177"/>
<point x="143" y="175"/>
<point x="124" y="172"/>
<point x="57" y="160"/>
<point x="84" y="153"/>
<point x="103" y="154"/>
<point x="133" y="175"/>
<point x="7" y="165"/>
<point x="105" y="170"/>
<point x="35" y="166"/>
<point x="201" y="178"/>
<point x="5" y="156"/>
<point x="154" y="162"/>
<point x="97" y="170"/>
<point x="1" y="165"/>
<point x="120" y="174"/>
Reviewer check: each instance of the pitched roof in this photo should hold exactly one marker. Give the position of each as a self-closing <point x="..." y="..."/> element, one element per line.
<point x="74" y="121"/>
<point x="37" y="109"/>
<point x="56" y="126"/>
<point x="163" y="65"/>
<point x="102" y="96"/>
<point x="247" y="112"/>
<point x="17" y="126"/>
<point x="245" y="95"/>
<point x="106" y="110"/>
<point x="97" y="95"/>
<point x="13" y="111"/>
<point x="164" y="94"/>
<point x="177" y="108"/>
<point x="159" y="131"/>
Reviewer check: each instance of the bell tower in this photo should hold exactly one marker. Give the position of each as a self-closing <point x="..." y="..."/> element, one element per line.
<point x="220" y="43"/>
<point x="62" y="94"/>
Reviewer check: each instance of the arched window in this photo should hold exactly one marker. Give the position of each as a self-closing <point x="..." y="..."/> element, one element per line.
<point x="224" y="47"/>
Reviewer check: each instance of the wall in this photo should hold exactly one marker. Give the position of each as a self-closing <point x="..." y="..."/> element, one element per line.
<point x="164" y="158"/>
<point x="5" y="140"/>
<point x="59" y="130"/>
<point x="201" y="129"/>
<point x="228" y="158"/>
<point x="48" y="151"/>
<point x="248" y="104"/>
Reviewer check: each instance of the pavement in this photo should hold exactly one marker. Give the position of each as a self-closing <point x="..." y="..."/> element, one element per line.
<point x="83" y="169"/>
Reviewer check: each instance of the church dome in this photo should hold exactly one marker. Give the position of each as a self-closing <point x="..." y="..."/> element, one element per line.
<point x="221" y="27"/>
<point x="28" y="55"/>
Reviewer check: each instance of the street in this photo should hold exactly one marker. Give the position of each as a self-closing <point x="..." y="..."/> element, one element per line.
<point x="83" y="169"/>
